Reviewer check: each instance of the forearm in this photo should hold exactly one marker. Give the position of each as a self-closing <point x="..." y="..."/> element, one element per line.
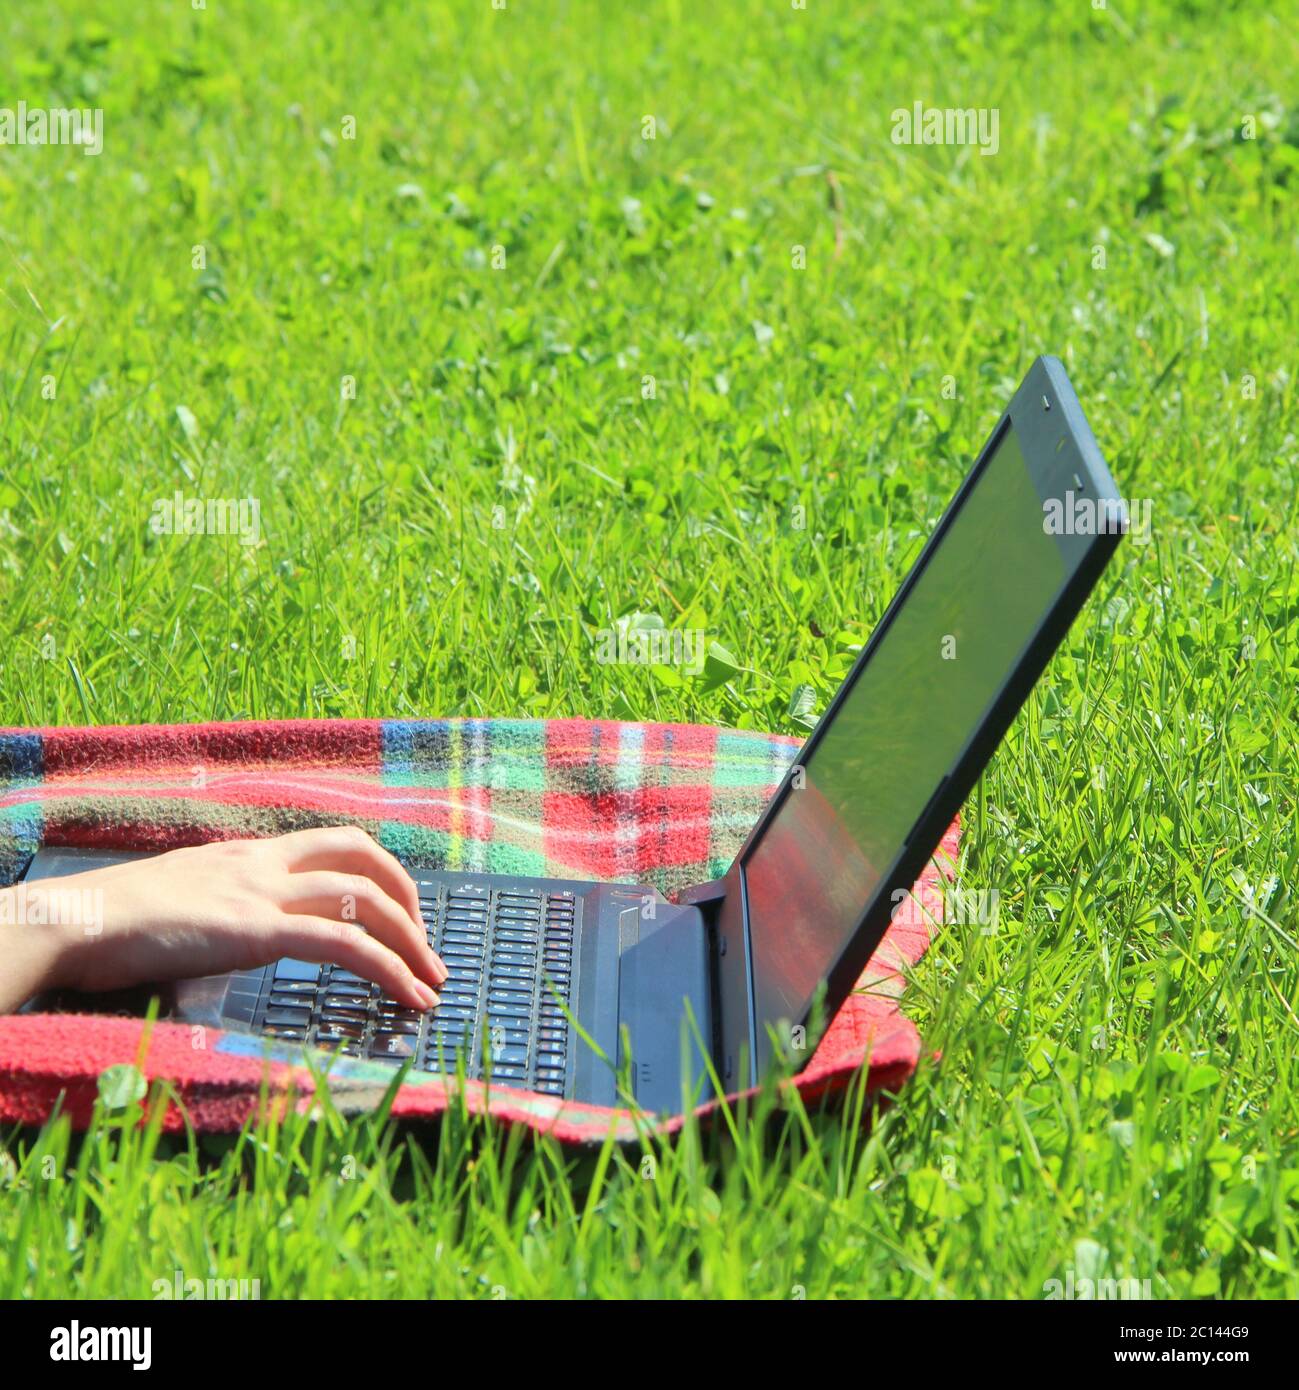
<point x="30" y="956"/>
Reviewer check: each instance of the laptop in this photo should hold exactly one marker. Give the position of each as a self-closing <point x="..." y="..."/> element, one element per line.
<point x="604" y="993"/>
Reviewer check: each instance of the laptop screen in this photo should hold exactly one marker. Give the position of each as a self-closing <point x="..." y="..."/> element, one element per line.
<point x="914" y="706"/>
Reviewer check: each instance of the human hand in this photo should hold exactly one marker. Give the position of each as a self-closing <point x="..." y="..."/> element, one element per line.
<point x="231" y="905"/>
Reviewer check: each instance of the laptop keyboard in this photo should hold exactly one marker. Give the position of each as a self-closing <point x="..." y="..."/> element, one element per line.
<point x="509" y="957"/>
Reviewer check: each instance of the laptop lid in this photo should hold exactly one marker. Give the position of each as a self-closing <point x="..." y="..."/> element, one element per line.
<point x="871" y="793"/>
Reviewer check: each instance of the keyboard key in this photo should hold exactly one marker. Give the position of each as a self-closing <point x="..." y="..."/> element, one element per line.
<point x="306" y="989"/>
<point x="514" y="943"/>
<point x="388" y="1005"/>
<point x="511" y="970"/>
<point x="286" y="1034"/>
<point x="461" y="978"/>
<point x="466" y="958"/>
<point x="335" y="990"/>
<point x="506" y="971"/>
<point x="283" y="999"/>
<point x="459" y="992"/>
<point x="396" y="1045"/>
<point x="335" y="1019"/>
<point x="463" y="917"/>
<point x="399" y="1025"/>
<point x="456" y="1001"/>
<point x="398" y="1011"/>
<point x="293" y="1018"/>
<point x="509" y="1073"/>
<point x="462" y="972"/>
<point x="456" y="1018"/>
<point x="457" y="937"/>
<point x="506" y="995"/>
<point x="327" y="1037"/>
<point x="474" y="892"/>
<point x="508" y="1056"/>
<point x="344" y="1008"/>
<point x="290" y="969"/>
<point x="448" y="1059"/>
<point x="514" y="957"/>
<point x="507" y="1011"/>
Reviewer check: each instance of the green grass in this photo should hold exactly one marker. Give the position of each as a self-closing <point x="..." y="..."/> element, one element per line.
<point x="1117" y="1083"/>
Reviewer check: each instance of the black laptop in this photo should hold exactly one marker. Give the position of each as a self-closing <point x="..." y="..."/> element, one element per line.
<point x="608" y="992"/>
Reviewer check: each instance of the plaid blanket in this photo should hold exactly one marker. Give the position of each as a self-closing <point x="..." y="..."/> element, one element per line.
<point x="661" y="804"/>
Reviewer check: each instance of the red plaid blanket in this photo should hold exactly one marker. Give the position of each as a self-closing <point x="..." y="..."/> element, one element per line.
<point x="661" y="804"/>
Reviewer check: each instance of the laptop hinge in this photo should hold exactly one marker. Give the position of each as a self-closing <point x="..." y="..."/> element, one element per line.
<point x="708" y="898"/>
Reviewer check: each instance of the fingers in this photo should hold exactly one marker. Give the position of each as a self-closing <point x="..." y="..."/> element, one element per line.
<point x="353" y="898"/>
<point x="348" y="849"/>
<point x="321" y="940"/>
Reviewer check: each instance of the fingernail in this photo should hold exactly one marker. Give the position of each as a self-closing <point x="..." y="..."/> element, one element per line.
<point x="439" y="967"/>
<point x="427" y="998"/>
